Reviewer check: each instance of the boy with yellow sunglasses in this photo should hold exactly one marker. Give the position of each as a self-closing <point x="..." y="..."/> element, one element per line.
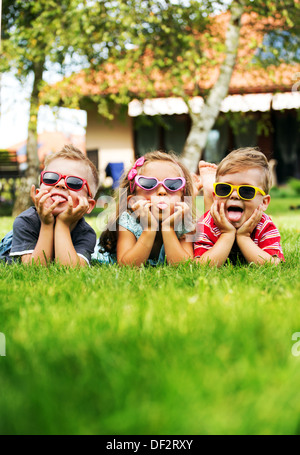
<point x="236" y="225"/>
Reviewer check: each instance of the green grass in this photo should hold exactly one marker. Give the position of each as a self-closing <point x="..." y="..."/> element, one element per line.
<point x="165" y="350"/>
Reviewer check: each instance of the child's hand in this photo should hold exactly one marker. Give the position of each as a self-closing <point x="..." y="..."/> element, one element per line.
<point x="247" y="228"/>
<point x="72" y="215"/>
<point x="181" y="213"/>
<point x="142" y="210"/>
<point x="218" y="213"/>
<point x="43" y="205"/>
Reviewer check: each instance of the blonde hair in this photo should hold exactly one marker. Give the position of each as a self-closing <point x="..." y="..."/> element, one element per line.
<point x="69" y="152"/>
<point x="108" y="238"/>
<point x="243" y="159"/>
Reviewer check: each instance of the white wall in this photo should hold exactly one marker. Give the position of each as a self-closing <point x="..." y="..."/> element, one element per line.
<point x="112" y="138"/>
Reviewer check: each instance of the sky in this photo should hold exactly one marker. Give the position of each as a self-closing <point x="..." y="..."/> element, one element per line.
<point x="14" y="113"/>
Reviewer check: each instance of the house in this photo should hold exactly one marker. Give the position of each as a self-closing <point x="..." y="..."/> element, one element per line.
<point x="48" y="142"/>
<point x="261" y="109"/>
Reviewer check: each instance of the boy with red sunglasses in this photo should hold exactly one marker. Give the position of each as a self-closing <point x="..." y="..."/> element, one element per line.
<point x="54" y="229"/>
<point x="236" y="225"/>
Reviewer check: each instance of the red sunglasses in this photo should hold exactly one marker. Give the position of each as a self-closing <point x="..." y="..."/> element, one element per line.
<point x="71" y="182"/>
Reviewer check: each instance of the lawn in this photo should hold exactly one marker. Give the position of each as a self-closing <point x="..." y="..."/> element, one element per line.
<point x="168" y="350"/>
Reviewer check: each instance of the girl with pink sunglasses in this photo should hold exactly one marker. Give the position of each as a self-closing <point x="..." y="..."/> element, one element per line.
<point x="156" y="217"/>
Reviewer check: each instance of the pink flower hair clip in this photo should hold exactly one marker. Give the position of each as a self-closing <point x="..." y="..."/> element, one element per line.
<point x="133" y="172"/>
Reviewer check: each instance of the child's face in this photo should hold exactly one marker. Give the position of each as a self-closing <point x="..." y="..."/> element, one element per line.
<point x="238" y="210"/>
<point x="161" y="198"/>
<point x="59" y="191"/>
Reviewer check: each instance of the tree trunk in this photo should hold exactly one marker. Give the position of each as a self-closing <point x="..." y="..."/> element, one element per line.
<point x="204" y="121"/>
<point x="31" y="177"/>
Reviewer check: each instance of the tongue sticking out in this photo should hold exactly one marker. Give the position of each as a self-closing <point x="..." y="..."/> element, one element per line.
<point x="234" y="214"/>
<point x="162" y="205"/>
<point x="58" y="198"/>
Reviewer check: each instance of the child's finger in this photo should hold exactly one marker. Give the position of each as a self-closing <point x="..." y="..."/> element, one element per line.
<point x="178" y="215"/>
<point x="82" y="201"/>
<point x="146" y="208"/>
<point x="220" y="213"/>
<point x="257" y="212"/>
<point x="84" y="205"/>
<point x="53" y="206"/>
<point x="254" y="218"/>
<point x="212" y="209"/>
<point x="178" y="212"/>
<point x="43" y="198"/>
<point x="186" y="204"/>
<point x="177" y="209"/>
<point x="217" y="205"/>
<point x="137" y="205"/>
<point x="222" y="210"/>
<point x="182" y="206"/>
<point x="38" y="196"/>
<point x="214" y="212"/>
<point x="214" y="204"/>
<point x="70" y="205"/>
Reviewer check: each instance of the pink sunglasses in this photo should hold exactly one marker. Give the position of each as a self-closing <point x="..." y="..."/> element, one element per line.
<point x="150" y="183"/>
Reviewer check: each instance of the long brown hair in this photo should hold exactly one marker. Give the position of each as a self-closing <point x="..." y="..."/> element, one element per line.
<point x="108" y="238"/>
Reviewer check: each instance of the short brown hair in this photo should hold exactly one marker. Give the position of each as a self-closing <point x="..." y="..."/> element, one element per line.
<point x="69" y="152"/>
<point x="246" y="158"/>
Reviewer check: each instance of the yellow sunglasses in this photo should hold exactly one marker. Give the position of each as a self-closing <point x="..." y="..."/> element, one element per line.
<point x="246" y="192"/>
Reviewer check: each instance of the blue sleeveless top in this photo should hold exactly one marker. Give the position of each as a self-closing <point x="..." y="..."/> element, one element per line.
<point x="130" y="223"/>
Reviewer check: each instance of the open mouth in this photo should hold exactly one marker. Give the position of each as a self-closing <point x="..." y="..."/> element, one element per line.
<point x="234" y="213"/>
<point x="58" y="197"/>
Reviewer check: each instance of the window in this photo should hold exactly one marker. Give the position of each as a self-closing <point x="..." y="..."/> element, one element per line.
<point x="175" y="133"/>
<point x="287" y="145"/>
<point x="146" y="137"/>
<point x="167" y="133"/>
<point x="246" y="134"/>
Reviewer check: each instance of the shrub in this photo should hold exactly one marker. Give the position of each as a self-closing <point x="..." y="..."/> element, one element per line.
<point x="295" y="185"/>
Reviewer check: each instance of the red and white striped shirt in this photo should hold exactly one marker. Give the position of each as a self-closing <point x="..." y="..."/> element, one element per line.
<point x="266" y="236"/>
